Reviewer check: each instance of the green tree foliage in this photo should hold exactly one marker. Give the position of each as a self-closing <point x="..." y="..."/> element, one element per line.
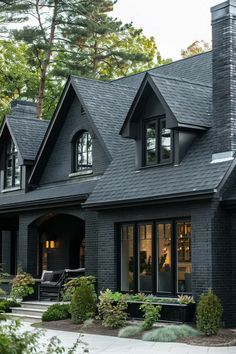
<point x="16" y="79"/>
<point x="77" y="37"/>
<point x="196" y="47"/>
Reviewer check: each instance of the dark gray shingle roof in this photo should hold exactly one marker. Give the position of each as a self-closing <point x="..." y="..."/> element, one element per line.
<point x="123" y="182"/>
<point x="190" y="102"/>
<point x="196" y="68"/>
<point x="50" y="192"/>
<point x="107" y="104"/>
<point x="28" y="134"/>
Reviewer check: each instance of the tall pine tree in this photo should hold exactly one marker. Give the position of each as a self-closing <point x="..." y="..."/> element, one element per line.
<point x="76" y="37"/>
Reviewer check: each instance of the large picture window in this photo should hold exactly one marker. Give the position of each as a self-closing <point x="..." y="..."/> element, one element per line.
<point x="157" y="142"/>
<point x="12" y="169"/>
<point x="156" y="257"/>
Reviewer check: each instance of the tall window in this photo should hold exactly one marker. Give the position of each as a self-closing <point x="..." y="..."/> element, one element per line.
<point x="156" y="257"/>
<point x="12" y="171"/>
<point x="83" y="152"/>
<point x="157" y="142"/>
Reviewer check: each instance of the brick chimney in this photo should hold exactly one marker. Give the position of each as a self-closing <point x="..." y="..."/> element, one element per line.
<point x="224" y="76"/>
<point x="24" y="109"/>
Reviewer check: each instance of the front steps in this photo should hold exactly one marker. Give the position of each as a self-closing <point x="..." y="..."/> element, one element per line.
<point x="30" y="311"/>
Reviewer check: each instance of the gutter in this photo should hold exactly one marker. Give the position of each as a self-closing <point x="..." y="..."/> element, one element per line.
<point x="173" y="198"/>
<point x="43" y="203"/>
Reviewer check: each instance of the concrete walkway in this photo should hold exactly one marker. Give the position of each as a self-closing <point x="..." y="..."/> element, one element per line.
<point x="113" y="345"/>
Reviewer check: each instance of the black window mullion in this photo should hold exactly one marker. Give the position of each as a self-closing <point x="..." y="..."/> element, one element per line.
<point x="154" y="258"/>
<point x="136" y="251"/>
<point x="174" y="257"/>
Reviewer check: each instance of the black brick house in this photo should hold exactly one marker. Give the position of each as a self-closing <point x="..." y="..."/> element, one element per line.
<point x="135" y="178"/>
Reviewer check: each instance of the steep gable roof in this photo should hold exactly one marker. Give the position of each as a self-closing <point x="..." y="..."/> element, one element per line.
<point x="189" y="101"/>
<point x="28" y="133"/>
<point x="105" y="104"/>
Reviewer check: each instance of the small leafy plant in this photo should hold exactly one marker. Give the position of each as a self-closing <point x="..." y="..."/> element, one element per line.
<point x="84" y="299"/>
<point x="112" y="312"/>
<point x="22" y="285"/>
<point x="5" y="305"/>
<point x="185" y="299"/>
<point x="209" y="313"/>
<point x="14" y="340"/>
<point x="57" y="312"/>
<point x="152" y="314"/>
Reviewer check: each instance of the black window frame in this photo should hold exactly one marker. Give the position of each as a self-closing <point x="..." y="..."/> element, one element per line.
<point x="159" y="160"/>
<point x="12" y="155"/>
<point x="76" y="167"/>
<point x="174" y="258"/>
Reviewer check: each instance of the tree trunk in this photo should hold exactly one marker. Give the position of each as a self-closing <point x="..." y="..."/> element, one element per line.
<point x="44" y="68"/>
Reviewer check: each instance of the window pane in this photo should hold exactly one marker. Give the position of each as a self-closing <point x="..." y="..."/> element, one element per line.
<point x="127" y="258"/>
<point x="151" y="149"/>
<point x="164" y="275"/>
<point x="145" y="257"/>
<point x="84" y="152"/>
<point x="184" y="257"/>
<point x="165" y="141"/>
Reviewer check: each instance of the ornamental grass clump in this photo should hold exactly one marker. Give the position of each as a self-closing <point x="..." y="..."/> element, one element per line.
<point x="170" y="333"/>
<point x="152" y="314"/>
<point x="84" y="300"/>
<point x="209" y="314"/>
<point x="22" y="285"/>
<point x="112" y="309"/>
<point x="130" y="331"/>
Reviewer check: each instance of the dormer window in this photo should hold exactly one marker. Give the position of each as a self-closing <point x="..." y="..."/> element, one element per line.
<point x="83" y="160"/>
<point x="157" y="142"/>
<point x="12" y="170"/>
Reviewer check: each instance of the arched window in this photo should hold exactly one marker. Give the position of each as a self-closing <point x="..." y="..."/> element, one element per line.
<point x="83" y="159"/>
<point x="12" y="171"/>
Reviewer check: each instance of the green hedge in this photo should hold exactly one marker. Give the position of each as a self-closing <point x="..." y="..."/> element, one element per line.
<point x="56" y="312"/>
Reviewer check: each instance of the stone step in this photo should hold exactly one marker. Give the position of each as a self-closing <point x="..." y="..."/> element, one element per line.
<point x="36" y="304"/>
<point x="23" y="317"/>
<point x="27" y="311"/>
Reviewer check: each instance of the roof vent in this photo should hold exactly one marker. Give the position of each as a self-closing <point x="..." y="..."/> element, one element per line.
<point x="222" y="157"/>
<point x="24" y="109"/>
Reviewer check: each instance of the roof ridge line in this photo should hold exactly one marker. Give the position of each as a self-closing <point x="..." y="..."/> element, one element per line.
<point x="180" y="79"/>
<point x="103" y="82"/>
<point x="31" y="119"/>
<point x="162" y="65"/>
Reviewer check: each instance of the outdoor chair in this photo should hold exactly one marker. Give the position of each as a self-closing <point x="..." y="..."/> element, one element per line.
<point x="52" y="283"/>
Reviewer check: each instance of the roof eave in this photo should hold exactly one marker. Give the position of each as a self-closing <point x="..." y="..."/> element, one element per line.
<point x="177" y="197"/>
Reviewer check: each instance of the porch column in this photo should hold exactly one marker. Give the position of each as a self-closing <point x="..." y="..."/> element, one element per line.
<point x="27" y="245"/>
<point x="6" y="251"/>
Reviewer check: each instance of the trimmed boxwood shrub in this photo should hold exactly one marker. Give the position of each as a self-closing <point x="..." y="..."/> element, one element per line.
<point x="56" y="312"/>
<point x="84" y="300"/>
<point x="209" y="313"/>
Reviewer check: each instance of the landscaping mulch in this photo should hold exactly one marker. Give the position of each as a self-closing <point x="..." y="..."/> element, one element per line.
<point x="67" y="325"/>
<point x="225" y="337"/>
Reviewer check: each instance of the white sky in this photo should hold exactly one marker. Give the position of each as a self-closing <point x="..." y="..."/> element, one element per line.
<point x="175" y="24"/>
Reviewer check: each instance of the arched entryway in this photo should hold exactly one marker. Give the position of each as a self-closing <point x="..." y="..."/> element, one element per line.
<point x="60" y="242"/>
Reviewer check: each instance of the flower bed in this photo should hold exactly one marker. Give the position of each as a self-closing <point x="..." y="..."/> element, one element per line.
<point x="180" y="309"/>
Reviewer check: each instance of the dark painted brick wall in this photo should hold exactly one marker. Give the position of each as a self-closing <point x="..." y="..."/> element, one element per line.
<point x="211" y="247"/>
<point x="224" y="84"/>
<point x="58" y="167"/>
<point x="29" y="235"/>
